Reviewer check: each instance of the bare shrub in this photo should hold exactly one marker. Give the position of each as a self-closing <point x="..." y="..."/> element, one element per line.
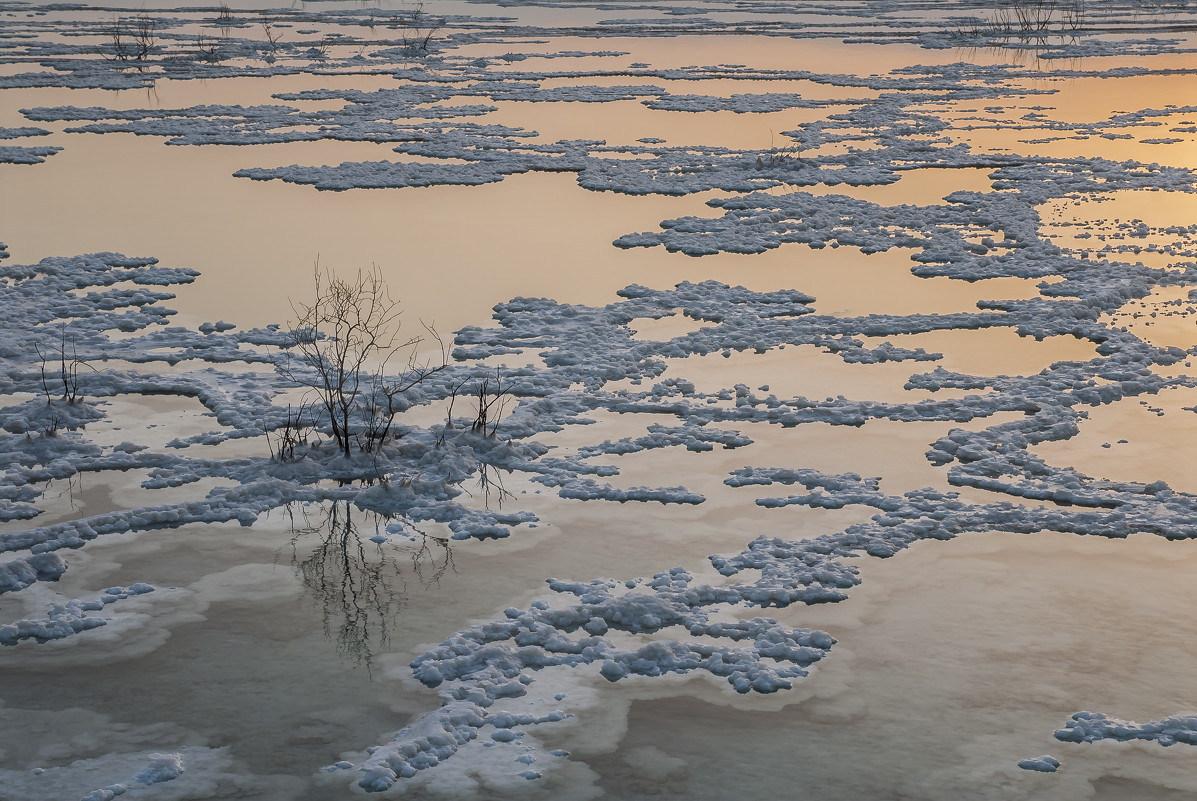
<point x="418" y="30"/>
<point x="345" y="340"/>
<point x="68" y="370"/>
<point x="293" y="432"/>
<point x="1030" y="19"/>
<point x="130" y="40"/>
<point x="273" y="34"/>
<point x="207" y="48"/>
<point x="492" y="399"/>
<point x="144" y="35"/>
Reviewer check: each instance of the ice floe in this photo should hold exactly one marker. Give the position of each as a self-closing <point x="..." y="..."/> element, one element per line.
<point x="1091" y="727"/>
<point x="67" y="619"/>
<point x="1043" y="764"/>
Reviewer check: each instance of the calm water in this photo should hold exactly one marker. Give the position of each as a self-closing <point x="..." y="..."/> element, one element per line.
<point x="271" y="651"/>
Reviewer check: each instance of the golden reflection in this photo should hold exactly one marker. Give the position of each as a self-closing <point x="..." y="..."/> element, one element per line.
<point x="1135" y="439"/>
<point x="967" y="616"/>
<point x="992" y="351"/>
<point x="961" y="631"/>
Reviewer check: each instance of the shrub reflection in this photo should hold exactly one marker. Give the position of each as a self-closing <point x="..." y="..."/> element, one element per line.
<point x="359" y="584"/>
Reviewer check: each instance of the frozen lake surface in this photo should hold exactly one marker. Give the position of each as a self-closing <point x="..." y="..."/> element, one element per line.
<point x="784" y="400"/>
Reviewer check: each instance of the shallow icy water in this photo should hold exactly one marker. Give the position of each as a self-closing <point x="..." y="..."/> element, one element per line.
<point x="799" y="335"/>
<point x="960" y="664"/>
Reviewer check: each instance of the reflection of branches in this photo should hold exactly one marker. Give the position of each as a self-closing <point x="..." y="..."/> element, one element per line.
<point x="490" y="484"/>
<point x="436" y="564"/>
<point x="358" y="583"/>
<point x="74" y="486"/>
<point x="359" y="587"/>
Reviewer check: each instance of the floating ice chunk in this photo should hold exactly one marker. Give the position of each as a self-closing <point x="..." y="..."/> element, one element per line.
<point x="694" y="438"/>
<point x="588" y="490"/>
<point x="760" y="103"/>
<point x="1043" y="764"/>
<point x="17" y="133"/>
<point x="1090" y="727"/>
<point x="65" y="620"/>
<point x="163" y="768"/>
<point x="421" y="745"/>
<point x="20" y="573"/>
<point x="16" y="154"/>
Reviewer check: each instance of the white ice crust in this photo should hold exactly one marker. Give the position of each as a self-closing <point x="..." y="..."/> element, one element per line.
<point x="110" y="306"/>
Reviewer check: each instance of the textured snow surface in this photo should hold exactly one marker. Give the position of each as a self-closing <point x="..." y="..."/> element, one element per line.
<point x="1090" y="727"/>
<point x="80" y="333"/>
<point x="1043" y="764"/>
<point x="69" y="618"/>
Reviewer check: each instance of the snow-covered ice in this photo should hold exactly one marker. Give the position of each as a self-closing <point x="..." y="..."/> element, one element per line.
<point x="645" y="515"/>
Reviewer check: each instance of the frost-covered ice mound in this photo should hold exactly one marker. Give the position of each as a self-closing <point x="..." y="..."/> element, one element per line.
<point x="1042" y="764"/>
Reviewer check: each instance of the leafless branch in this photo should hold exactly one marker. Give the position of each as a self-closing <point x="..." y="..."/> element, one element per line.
<point x="346" y="337"/>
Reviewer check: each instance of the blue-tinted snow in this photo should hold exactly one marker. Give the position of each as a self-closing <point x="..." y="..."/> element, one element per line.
<point x="64" y="620"/>
<point x="87" y="301"/>
<point x="1091" y="727"/>
<point x="1042" y="764"/>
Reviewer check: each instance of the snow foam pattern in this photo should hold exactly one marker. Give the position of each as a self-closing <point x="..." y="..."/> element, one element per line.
<point x="877" y="130"/>
<point x="17" y="133"/>
<point x="20" y="573"/>
<point x="65" y="620"/>
<point x="488" y="153"/>
<point x="1090" y="727"/>
<point x="353" y="40"/>
<point x="1043" y="764"/>
<point x="694" y="438"/>
<point x="162" y="768"/>
<point x="589" y="347"/>
<point x="953" y="239"/>
<point x="16" y="154"/>
<point x="454" y="145"/>
<point x="70" y="305"/>
<point x="24" y="154"/>
<point x="481" y="665"/>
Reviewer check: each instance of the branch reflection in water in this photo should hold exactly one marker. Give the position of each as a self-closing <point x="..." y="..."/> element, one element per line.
<point x="490" y="487"/>
<point x="358" y="582"/>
